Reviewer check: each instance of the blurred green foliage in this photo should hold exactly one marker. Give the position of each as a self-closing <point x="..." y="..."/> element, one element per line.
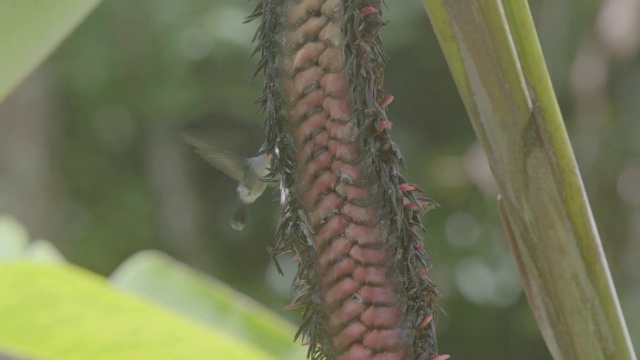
<point x="30" y="31"/>
<point x="52" y="309"/>
<point x="134" y="74"/>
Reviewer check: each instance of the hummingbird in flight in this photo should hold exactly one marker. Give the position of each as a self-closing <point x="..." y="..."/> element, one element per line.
<point x="235" y="147"/>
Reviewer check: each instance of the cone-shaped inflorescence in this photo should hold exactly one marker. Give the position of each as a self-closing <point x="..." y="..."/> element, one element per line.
<point x="349" y="215"/>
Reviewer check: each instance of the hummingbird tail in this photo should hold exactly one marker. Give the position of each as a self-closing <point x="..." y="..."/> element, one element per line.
<point x="239" y="217"/>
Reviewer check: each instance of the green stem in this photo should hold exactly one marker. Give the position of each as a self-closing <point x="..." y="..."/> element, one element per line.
<point x="496" y="61"/>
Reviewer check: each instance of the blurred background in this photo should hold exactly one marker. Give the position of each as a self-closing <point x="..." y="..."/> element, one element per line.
<point x="91" y="154"/>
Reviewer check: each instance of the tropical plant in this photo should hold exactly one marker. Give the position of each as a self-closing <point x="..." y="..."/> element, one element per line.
<point x="155" y="307"/>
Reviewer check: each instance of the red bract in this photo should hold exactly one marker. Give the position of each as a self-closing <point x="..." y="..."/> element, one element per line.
<point x="406" y="187"/>
<point x="425" y="322"/>
<point x="368" y="10"/>
<point x="382" y="125"/>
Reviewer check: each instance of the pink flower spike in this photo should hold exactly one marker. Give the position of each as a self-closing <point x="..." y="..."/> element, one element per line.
<point x="440" y="357"/>
<point x="386" y="101"/>
<point x="295" y="258"/>
<point x="368" y="10"/>
<point x="425" y="322"/>
<point x="420" y="246"/>
<point x="422" y="272"/>
<point x="406" y="187"/>
<point x="270" y="156"/>
<point x="412" y="226"/>
<point x="384" y="125"/>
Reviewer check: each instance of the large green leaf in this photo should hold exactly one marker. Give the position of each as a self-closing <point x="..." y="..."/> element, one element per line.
<point x="65" y="293"/>
<point x="64" y="312"/>
<point x="30" y="30"/>
<point x="160" y="279"/>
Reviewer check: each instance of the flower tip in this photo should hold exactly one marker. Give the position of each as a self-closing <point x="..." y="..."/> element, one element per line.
<point x="368" y="10"/>
<point x="440" y="357"/>
<point x="385" y="101"/>
<point x="382" y="125"/>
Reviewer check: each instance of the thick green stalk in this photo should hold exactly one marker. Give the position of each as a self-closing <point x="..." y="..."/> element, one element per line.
<point x="494" y="55"/>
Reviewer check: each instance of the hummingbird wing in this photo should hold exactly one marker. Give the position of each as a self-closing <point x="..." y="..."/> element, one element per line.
<point x="217" y="149"/>
<point x="225" y="141"/>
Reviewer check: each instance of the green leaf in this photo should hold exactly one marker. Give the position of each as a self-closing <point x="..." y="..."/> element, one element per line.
<point x="64" y="312"/>
<point x="160" y="279"/>
<point x="30" y="30"/>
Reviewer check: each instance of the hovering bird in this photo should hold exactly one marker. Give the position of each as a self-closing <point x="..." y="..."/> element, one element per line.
<point x="235" y="147"/>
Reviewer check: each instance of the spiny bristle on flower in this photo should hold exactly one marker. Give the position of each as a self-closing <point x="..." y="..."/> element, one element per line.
<point x="293" y="306"/>
<point x="427" y="204"/>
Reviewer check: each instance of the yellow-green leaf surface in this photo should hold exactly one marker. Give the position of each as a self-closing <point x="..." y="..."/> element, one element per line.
<point x="494" y="55"/>
<point x="30" y="30"/>
<point x="167" y="282"/>
<point x="64" y="312"/>
<point x="15" y="245"/>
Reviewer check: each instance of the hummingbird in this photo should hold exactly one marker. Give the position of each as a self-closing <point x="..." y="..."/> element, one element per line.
<point x="235" y="147"/>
